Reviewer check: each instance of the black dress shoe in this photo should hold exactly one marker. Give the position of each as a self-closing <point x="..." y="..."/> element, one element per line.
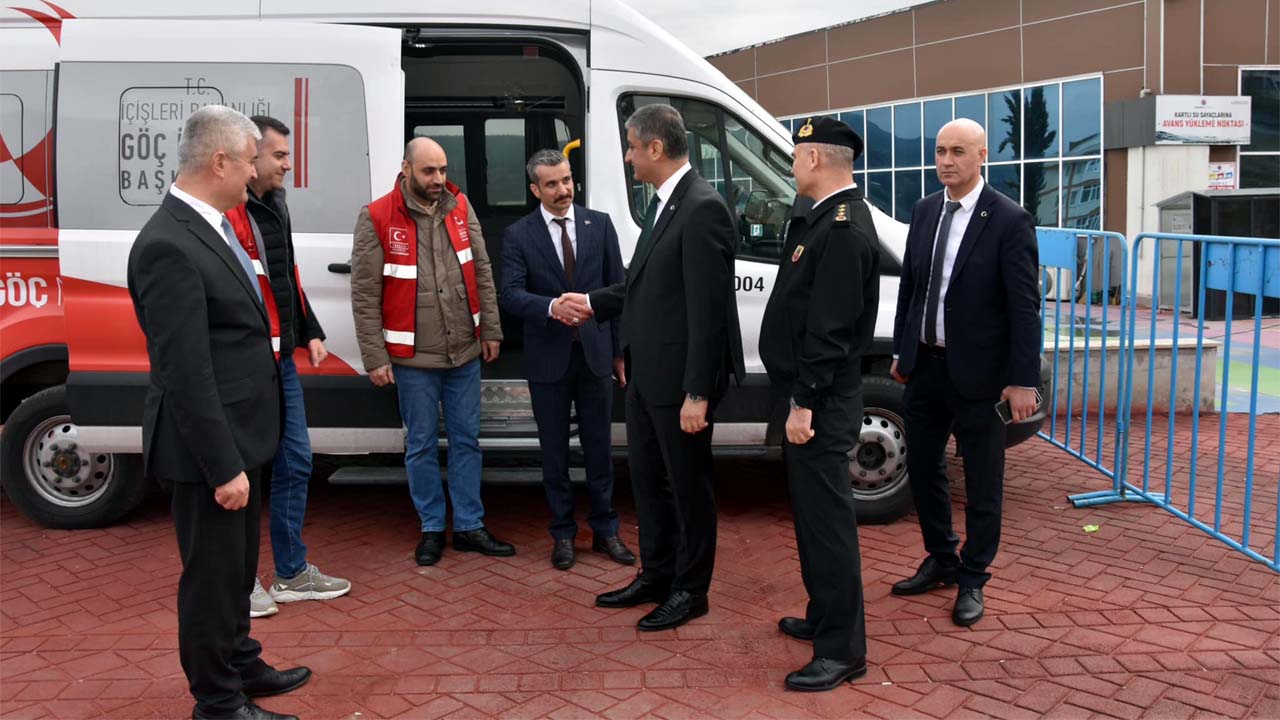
<point x="931" y="574"/>
<point x="248" y="711"/>
<point x="562" y="556"/>
<point x="826" y="674"/>
<point x="482" y="541"/>
<point x="430" y="548"/>
<point x="798" y="628"/>
<point x="968" y="608"/>
<point x="644" y="589"/>
<point x="681" y="607"/>
<point x="615" y="549"/>
<point x="275" y="682"/>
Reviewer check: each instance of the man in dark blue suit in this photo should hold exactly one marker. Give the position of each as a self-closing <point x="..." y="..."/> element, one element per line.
<point x="966" y="337"/>
<point x="559" y="248"/>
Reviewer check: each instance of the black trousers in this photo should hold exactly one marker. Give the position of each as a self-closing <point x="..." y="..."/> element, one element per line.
<point x="827" y="529"/>
<point x="593" y="398"/>
<point x="934" y="411"/>
<point x="675" y="502"/>
<point x="219" y="563"/>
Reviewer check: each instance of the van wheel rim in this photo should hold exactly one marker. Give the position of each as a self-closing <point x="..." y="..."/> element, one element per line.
<point x="60" y="469"/>
<point x="878" y="463"/>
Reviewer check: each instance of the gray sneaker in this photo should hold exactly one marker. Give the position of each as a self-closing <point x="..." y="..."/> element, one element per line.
<point x="310" y="584"/>
<point x="260" y="603"/>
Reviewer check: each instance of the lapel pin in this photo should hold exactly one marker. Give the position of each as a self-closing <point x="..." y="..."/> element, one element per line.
<point x="984" y="213"/>
<point x="586" y="222"/>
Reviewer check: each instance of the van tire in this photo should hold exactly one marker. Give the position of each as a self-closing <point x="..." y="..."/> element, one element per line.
<point x="878" y="463"/>
<point x="93" y="489"/>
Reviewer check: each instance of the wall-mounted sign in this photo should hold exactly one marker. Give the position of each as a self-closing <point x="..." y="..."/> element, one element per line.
<point x="1222" y="176"/>
<point x="1202" y="119"/>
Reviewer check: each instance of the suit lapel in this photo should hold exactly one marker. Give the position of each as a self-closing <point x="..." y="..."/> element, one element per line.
<point x="927" y="236"/>
<point x="211" y="239"/>
<point x="546" y="244"/>
<point x="971" y="233"/>
<point x="586" y="242"/>
<point x="668" y="211"/>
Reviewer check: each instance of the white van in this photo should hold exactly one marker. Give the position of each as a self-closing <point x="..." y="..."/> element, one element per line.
<point x="96" y="94"/>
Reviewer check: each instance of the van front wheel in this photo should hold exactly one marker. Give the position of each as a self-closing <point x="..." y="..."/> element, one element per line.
<point x="878" y="461"/>
<point x="56" y="481"/>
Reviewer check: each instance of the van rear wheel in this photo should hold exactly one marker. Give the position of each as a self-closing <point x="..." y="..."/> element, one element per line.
<point x="878" y="461"/>
<point x="56" y="481"/>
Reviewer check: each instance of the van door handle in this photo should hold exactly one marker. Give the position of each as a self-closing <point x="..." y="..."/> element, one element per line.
<point x="340" y="268"/>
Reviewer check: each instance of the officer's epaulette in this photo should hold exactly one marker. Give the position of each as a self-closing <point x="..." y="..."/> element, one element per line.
<point x="842" y="215"/>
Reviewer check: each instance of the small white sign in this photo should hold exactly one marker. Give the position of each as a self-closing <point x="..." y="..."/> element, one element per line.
<point x="1222" y="176"/>
<point x="1203" y="119"/>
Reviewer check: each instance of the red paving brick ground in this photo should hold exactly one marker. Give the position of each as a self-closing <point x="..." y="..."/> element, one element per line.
<point x="1147" y="617"/>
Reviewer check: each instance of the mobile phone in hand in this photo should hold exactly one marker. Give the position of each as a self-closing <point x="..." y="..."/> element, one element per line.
<point x="1004" y="411"/>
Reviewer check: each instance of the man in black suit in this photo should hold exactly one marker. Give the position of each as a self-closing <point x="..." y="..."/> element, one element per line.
<point x="820" y="319"/>
<point x="211" y="422"/>
<point x="558" y="248"/>
<point x="966" y="336"/>
<point x="681" y="342"/>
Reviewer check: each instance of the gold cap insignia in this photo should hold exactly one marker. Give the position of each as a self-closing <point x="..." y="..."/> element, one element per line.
<point x="807" y="129"/>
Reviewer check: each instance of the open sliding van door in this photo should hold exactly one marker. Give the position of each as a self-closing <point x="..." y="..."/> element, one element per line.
<point x="124" y="90"/>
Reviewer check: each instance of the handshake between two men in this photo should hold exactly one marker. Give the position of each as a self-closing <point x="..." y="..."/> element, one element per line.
<point x="573" y="309"/>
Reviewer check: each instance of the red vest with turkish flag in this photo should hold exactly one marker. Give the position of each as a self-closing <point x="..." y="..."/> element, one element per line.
<point x="398" y="233"/>
<point x="243" y="227"/>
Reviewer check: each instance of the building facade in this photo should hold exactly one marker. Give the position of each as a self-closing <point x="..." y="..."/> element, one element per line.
<point x="1042" y="76"/>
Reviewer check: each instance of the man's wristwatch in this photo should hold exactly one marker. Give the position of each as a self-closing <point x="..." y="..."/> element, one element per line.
<point x="795" y="406"/>
<point x="697" y="398"/>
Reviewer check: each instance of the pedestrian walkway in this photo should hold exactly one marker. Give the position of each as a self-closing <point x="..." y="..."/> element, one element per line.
<point x="1144" y="617"/>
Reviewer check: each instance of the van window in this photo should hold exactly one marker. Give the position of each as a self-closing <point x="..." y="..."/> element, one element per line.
<point x="751" y="174"/>
<point x="504" y="154"/>
<point x="453" y="139"/>
<point x="119" y="125"/>
<point x="12" y="174"/>
<point x="24" y="131"/>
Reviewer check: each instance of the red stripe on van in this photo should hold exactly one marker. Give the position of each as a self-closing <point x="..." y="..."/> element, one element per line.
<point x="297" y="132"/>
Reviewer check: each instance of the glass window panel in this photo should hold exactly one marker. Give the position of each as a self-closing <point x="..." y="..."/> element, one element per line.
<point x="503" y="148"/>
<point x="906" y="135"/>
<point x="861" y="179"/>
<point x="879" y="138"/>
<point x="1264" y="87"/>
<point x="936" y="114"/>
<point x="880" y="191"/>
<point x="1040" y="192"/>
<point x="451" y="139"/>
<point x="1041" y="117"/>
<point x="907" y="191"/>
<point x="1004" y="130"/>
<point x="1259" y="171"/>
<point x="973" y="107"/>
<point x="1081" y="115"/>
<point x="786" y="126"/>
<point x="931" y="182"/>
<point x="1082" y="194"/>
<point x="853" y="119"/>
<point x="1005" y="179"/>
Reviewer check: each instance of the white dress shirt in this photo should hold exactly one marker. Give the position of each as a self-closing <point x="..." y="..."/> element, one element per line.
<point x="553" y="228"/>
<point x="959" y="222"/>
<point x="204" y="209"/>
<point x="668" y="187"/>
<point x="850" y="186"/>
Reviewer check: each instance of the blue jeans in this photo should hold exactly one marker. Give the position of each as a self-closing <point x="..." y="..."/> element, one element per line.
<point x="289" y="477"/>
<point x="421" y="392"/>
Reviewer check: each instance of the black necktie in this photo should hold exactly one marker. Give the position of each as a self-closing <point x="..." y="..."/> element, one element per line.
<point x="935" y="276"/>
<point x="650" y="219"/>
<point x="566" y="246"/>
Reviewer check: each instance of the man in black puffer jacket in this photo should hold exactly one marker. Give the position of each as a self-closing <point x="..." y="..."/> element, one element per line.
<point x="295" y="579"/>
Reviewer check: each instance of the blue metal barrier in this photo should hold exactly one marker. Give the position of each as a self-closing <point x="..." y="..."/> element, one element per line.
<point x="1087" y="267"/>
<point x="1231" y="265"/>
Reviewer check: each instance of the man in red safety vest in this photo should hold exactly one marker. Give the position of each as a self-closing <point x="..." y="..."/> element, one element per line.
<point x="426" y="312"/>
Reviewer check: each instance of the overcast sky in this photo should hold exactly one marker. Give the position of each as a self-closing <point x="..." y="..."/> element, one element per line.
<point x="712" y="26"/>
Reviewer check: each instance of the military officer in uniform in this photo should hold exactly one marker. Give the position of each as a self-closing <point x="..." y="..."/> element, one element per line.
<point x="820" y="320"/>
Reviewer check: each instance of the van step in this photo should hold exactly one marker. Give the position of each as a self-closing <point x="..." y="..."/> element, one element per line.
<point x="359" y="475"/>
